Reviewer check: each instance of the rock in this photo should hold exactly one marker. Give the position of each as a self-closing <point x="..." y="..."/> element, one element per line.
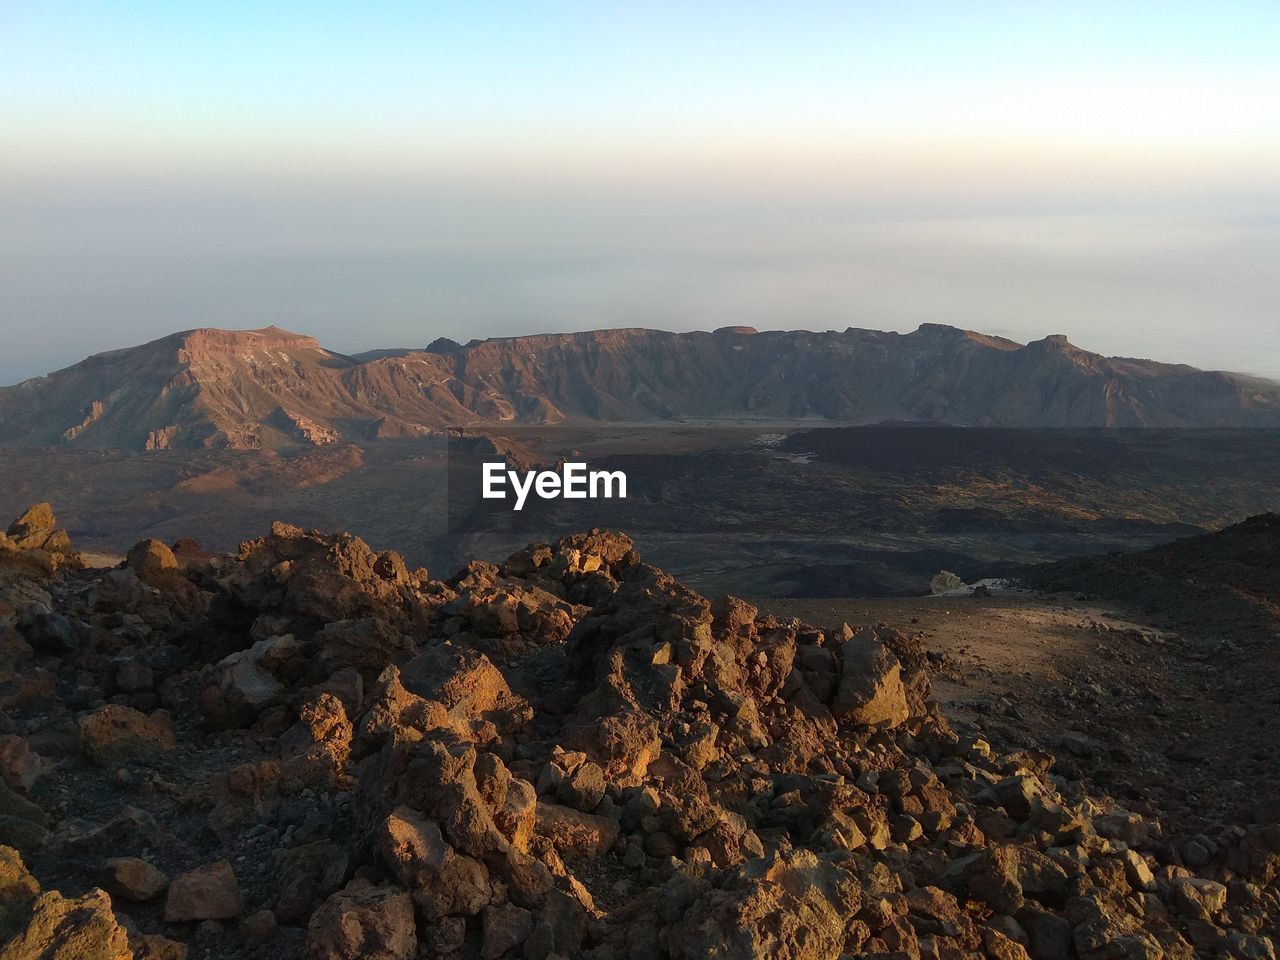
<point x="517" y="816"/>
<point x="244" y="687"/>
<point x="153" y="563"/>
<point x="20" y="768"/>
<point x="793" y="909"/>
<point x="1104" y="929"/>
<point x="1018" y="795"/>
<point x="1242" y="946"/>
<point x="871" y="691"/>
<point x="993" y="878"/>
<point x="1137" y="872"/>
<point x="134" y="676"/>
<point x="18" y="890"/>
<point x="258" y="928"/>
<point x="318" y="746"/>
<point x="695" y="795"/>
<point x="32" y="528"/>
<point x="471" y="688"/>
<point x="584" y="788"/>
<point x="1122" y="825"/>
<point x="364" y="922"/>
<point x="1199" y="898"/>
<point x="206" y="893"/>
<point x="61" y="929"/>
<point x="1000" y="947"/>
<point x="48" y="926"/>
<point x="944" y="581"/>
<point x="308" y="873"/>
<point x="503" y="929"/>
<point x="154" y="946"/>
<point x="574" y="833"/>
<point x="116" y="734"/>
<point x="52" y="634"/>
<point x="132" y="879"/>
<point x="905" y="828"/>
<point x="1198" y="852"/>
<point x="443" y="881"/>
<point x="34" y="546"/>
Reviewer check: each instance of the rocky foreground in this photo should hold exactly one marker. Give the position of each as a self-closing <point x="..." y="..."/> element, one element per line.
<point x="306" y="749"/>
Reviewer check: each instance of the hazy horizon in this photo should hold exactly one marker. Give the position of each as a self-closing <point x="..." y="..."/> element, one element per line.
<point x="383" y="174"/>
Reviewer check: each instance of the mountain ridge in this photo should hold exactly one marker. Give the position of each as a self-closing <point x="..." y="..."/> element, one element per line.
<point x="269" y="387"/>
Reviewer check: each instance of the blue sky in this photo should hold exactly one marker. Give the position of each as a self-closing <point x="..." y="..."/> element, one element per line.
<point x="1108" y="170"/>
<point x="239" y="80"/>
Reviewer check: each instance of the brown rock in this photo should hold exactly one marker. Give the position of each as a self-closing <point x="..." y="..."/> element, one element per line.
<point x="471" y="688"/>
<point x="206" y="893"/>
<point x="364" y="922"/>
<point x="792" y="909"/>
<point x="318" y="746"/>
<point x="117" y="734"/>
<point x="503" y="929"/>
<point x="20" y="768"/>
<point x="1000" y="947"/>
<point x="154" y="564"/>
<point x="517" y="816"/>
<point x="48" y="926"/>
<point x="61" y="929"/>
<point x="32" y="528"/>
<point x="584" y="788"/>
<point x="1138" y="872"/>
<point x="154" y="946"/>
<point x="18" y="890"/>
<point x="443" y="881"/>
<point x="133" y="879"/>
<point x="1199" y="898"/>
<point x="574" y="833"/>
<point x="392" y="707"/>
<point x="871" y="691"/>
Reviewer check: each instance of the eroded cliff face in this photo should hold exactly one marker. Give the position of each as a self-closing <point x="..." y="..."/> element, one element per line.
<point x="271" y="388"/>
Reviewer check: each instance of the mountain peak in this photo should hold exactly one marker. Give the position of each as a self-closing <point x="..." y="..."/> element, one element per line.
<point x="263" y="338"/>
<point x="1059" y="341"/>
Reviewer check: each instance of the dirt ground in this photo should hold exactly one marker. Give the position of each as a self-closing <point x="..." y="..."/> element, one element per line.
<point x="1140" y="713"/>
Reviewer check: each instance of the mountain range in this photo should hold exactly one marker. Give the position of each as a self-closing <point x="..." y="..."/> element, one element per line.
<point x="269" y="388"/>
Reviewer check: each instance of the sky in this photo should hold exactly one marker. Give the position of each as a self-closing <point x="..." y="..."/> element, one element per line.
<point x="379" y="174"/>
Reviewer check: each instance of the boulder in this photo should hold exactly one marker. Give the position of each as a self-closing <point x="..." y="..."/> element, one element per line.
<point x="574" y="833"/>
<point x="793" y="908"/>
<point x="443" y="881"/>
<point x="117" y="734"/>
<point x="61" y="929"/>
<point x="49" y="926"/>
<point x="503" y="928"/>
<point x="206" y="893"/>
<point x="583" y="789"/>
<point x="133" y="879"/>
<point x="364" y="922"/>
<point x="870" y="691"/>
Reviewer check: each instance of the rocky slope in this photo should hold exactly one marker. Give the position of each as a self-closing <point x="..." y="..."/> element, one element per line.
<point x="306" y="749"/>
<point x="271" y="388"/>
<point x="1224" y="584"/>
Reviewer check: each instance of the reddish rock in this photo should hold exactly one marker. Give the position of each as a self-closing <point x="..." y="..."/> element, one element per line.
<point x="364" y="922"/>
<point x="574" y="833"/>
<point x="871" y="691"/>
<point x="206" y="893"/>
